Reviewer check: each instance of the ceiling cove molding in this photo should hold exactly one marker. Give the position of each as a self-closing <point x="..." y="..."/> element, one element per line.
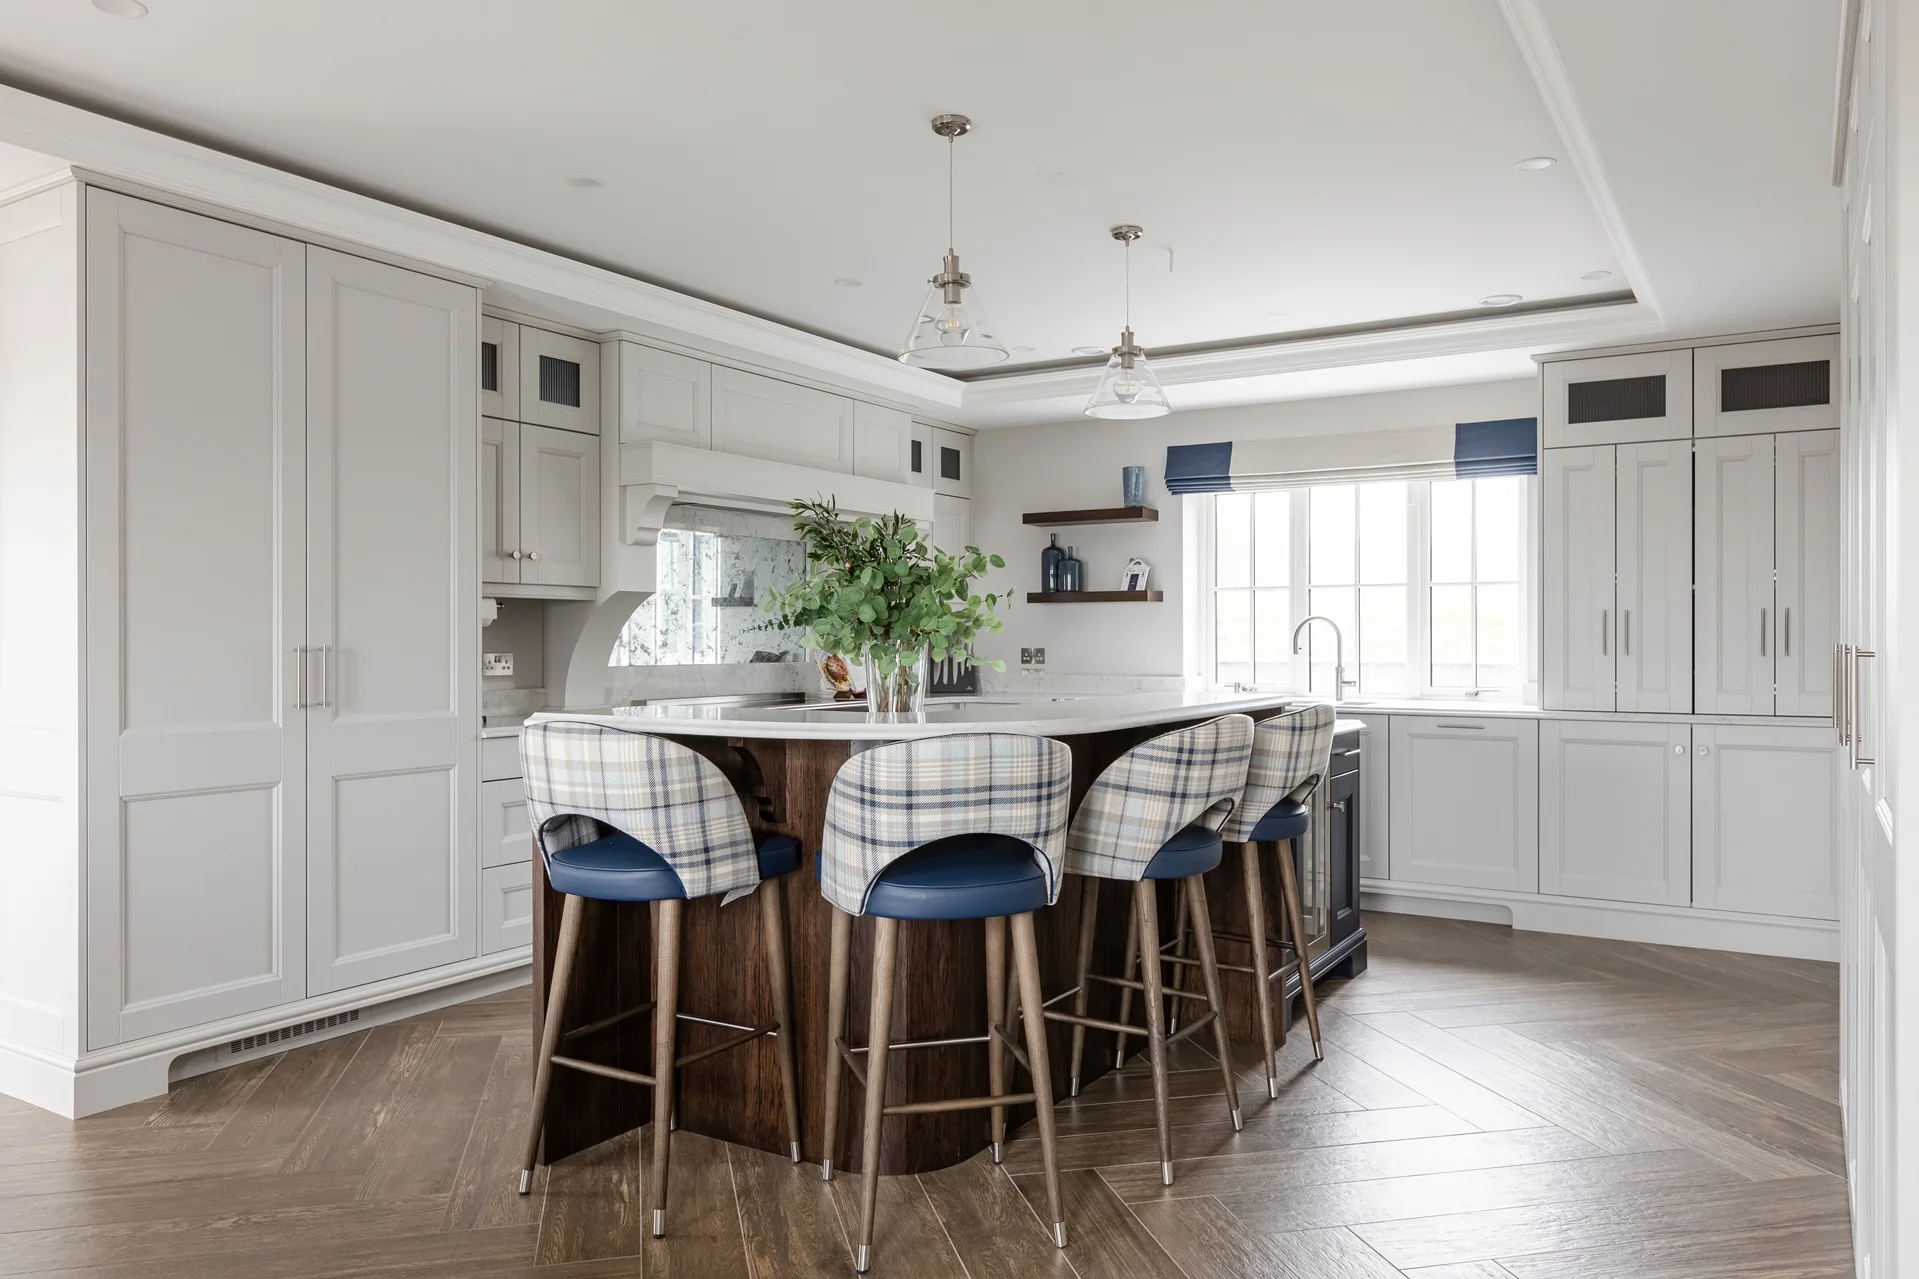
<point x="1536" y="330"/>
<point x="1541" y="51"/>
<point x="133" y="154"/>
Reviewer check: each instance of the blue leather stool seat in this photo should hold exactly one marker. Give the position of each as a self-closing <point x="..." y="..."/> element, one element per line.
<point x="1193" y="851"/>
<point x="620" y="868"/>
<point x="1288" y="819"/>
<point x="961" y="877"/>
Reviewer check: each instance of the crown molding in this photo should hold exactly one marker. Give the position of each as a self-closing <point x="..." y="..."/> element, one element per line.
<point x="129" y="153"/>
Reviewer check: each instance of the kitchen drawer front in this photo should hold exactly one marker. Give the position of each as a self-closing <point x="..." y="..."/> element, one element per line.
<point x="506" y="838"/>
<point x="506" y="908"/>
<point x="499" y="758"/>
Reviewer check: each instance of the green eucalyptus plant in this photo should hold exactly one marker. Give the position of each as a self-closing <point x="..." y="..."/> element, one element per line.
<point x="879" y="588"/>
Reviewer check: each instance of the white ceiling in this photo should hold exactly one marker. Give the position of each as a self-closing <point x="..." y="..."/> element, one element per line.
<point x="1308" y="165"/>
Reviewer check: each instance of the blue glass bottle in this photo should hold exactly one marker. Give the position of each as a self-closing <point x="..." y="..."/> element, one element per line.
<point x="1070" y="571"/>
<point x="1049" y="559"/>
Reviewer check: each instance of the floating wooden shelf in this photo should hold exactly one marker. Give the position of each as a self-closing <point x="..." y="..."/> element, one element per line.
<point x="1102" y="515"/>
<point x="1094" y="597"/>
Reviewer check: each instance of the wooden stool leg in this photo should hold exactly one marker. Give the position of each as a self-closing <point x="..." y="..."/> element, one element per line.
<point x="1126" y="973"/>
<point x="666" y="1007"/>
<point x="879" y="1030"/>
<point x="1146" y="919"/>
<point x="839" y="965"/>
<point x="1026" y="961"/>
<point x="1215" y="996"/>
<point x="995" y="1026"/>
<point x="563" y="952"/>
<point x="1182" y="947"/>
<point x="773" y="934"/>
<point x="1088" y="919"/>
<point x="1262" y="984"/>
<point x="1295" y="920"/>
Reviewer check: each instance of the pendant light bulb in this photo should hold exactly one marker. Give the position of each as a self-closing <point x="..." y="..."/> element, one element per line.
<point x="1127" y="387"/>
<point x="951" y="330"/>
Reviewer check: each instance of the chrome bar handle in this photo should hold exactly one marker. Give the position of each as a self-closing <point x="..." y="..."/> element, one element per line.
<point x="1839" y="695"/>
<point x="1605" y="630"/>
<point x="1762" y="632"/>
<point x="326" y="675"/>
<point x="299" y="679"/>
<point x="1858" y="737"/>
<point x="1625" y="647"/>
<point x="1785" y="631"/>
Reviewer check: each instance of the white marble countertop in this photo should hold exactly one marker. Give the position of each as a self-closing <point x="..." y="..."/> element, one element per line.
<point x="1042" y="716"/>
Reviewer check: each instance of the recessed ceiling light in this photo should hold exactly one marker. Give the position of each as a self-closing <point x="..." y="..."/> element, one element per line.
<point x="848" y="282"/>
<point x="1500" y="299"/>
<point x="1533" y="163"/>
<point x="1090" y="350"/>
<point x="1022" y="350"/>
<point x="121" y="8"/>
<point x="579" y="180"/>
<point x="1597" y="275"/>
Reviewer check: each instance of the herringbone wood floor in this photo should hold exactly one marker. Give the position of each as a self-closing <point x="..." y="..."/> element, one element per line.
<point x="1493" y="1105"/>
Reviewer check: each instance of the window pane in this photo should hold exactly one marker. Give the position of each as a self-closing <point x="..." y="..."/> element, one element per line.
<point x="1382" y="532"/>
<point x="1332" y="517"/>
<point x="1272" y="533"/>
<point x="1233" y="515"/>
<point x="1453" y="636"/>
<point x="1273" y="638"/>
<point x="1496" y="508"/>
<point x="1452" y="537"/>
<point x="1499" y="637"/>
<point x="1337" y="603"/>
<point x="1233" y="618"/>
<point x="1382" y="640"/>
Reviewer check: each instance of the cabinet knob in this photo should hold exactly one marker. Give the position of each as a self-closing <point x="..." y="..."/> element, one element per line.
<point x="1679" y="750"/>
<point x="533" y="555"/>
<point x="1705" y="750"/>
<point x="515" y="554"/>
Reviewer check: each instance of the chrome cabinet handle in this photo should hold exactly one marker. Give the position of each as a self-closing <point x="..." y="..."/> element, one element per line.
<point x="1476" y="728"/>
<point x="533" y="555"/>
<point x="1852" y="711"/>
<point x="1340" y="804"/>
<point x="299" y="679"/>
<point x="515" y="555"/>
<point x="326" y="675"/>
<point x="1839" y="719"/>
<point x="1705" y="750"/>
<point x="1604" y="629"/>
<point x="1762" y="632"/>
<point x="1785" y="632"/>
<point x="1625" y="647"/>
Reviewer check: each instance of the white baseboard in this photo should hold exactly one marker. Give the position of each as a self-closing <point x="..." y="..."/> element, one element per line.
<point x="1615" y="921"/>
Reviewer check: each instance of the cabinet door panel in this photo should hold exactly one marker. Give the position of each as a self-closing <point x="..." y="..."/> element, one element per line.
<point x="505" y="836"/>
<point x="1752" y="388"/>
<point x="756" y="416"/>
<point x="1764" y="813"/>
<point x="1733" y="531"/>
<point x="1654" y="590"/>
<point x="559" y="380"/>
<point x="952" y="462"/>
<point x="499" y="368"/>
<point x="1617" y="399"/>
<point x="882" y="442"/>
<point x="1615" y="810"/>
<point x="1807" y="551"/>
<point x="952" y="523"/>
<point x="1577" y="576"/>
<point x="499" y="500"/>
<point x="1375" y="793"/>
<point x="1465" y="802"/>
<point x="393" y="482"/>
<point x="919" y="457"/>
<point x="195" y="573"/>
<point x="559" y="507"/>
<point x="665" y="396"/>
<point x="506" y="910"/>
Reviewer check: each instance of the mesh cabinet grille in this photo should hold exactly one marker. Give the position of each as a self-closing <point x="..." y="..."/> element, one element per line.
<point x="1619" y="399"/>
<point x="1775" y="386"/>
<point x="295" y="1031"/>
<point x="559" y="382"/>
<point x="489" y="366"/>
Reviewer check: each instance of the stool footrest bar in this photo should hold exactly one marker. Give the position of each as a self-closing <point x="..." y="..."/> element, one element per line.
<point x="609" y="1072"/>
<point x="1203" y="1020"/>
<point x="713" y="1050"/>
<point x="605" y="1023"/>
<point x="1013" y="1046"/>
<point x="1097" y="1023"/>
<point x="1140" y="986"/>
<point x="959" y="1103"/>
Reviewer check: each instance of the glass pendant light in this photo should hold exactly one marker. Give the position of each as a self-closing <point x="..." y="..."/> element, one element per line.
<point x="1127" y="388"/>
<point x="951" y="330"/>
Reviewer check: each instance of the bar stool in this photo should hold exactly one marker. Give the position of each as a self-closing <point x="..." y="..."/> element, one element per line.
<point x="624" y="816"/>
<point x="966" y="826"/>
<point x="1146" y="820"/>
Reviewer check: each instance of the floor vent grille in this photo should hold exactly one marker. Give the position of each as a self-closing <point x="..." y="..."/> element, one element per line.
<point x="284" y="1033"/>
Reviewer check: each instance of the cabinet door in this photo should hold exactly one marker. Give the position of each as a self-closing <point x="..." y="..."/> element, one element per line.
<point x="1751" y="388"/>
<point x="882" y="442"/>
<point x="1577" y="575"/>
<point x="559" y="507"/>
<point x="1617" y="399"/>
<point x="393" y="604"/>
<point x="1375" y="795"/>
<point x="506" y="908"/>
<point x="559" y="380"/>
<point x="1345" y="835"/>
<point x="952" y="523"/>
<point x="196" y="804"/>
<point x="1654" y="588"/>
<point x="506" y="839"/>
<point x="1764" y="810"/>
<point x="499" y="500"/>
<point x="952" y="462"/>
<point x="919" y="457"/>
<point x="1615" y="811"/>
<point x="1806" y="548"/>
<point x="499" y="368"/>
<point x="665" y="396"/>
<point x="1732" y="530"/>
<point x="1465" y="802"/>
<point x="756" y="416"/>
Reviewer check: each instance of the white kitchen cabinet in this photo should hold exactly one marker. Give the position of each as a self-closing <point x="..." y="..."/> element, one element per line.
<point x="1806" y="547"/>
<point x="500" y="759"/>
<point x="1733" y="537"/>
<point x="1615" y="811"/>
<point x="664" y="396"/>
<point x="1617" y="399"/>
<point x="506" y="908"/>
<point x="1375" y="770"/>
<point x="391" y="607"/>
<point x="1752" y="388"/>
<point x="1465" y="801"/>
<point x="1653" y="563"/>
<point x="755" y="416"/>
<point x="506" y="839"/>
<point x="882" y="442"/>
<point x="919" y="458"/>
<point x="952" y="523"/>
<point x="559" y="507"/>
<point x="952" y="462"/>
<point x="1764" y="807"/>
<point x="1577" y="578"/>
<point x="559" y="380"/>
<point x="500" y="554"/>
<point x="499" y="368"/>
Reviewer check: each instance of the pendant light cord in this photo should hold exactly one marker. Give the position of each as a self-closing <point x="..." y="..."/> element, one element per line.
<point x="949" y="194"/>
<point x="1129" y="284"/>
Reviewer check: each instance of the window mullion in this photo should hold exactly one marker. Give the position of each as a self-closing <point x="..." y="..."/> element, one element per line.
<point x="1419" y="586"/>
<point x="1299" y="596"/>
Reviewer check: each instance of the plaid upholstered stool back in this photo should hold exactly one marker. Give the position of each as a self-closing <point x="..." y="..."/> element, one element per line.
<point x="1154" y="791"/>
<point x="892" y="799"/>
<point x="1289" y="751"/>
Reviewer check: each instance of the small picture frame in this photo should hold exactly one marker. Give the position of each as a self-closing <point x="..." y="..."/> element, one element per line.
<point x="1135" y="575"/>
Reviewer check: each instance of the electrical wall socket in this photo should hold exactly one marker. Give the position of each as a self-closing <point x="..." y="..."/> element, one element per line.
<point x="496" y="663"/>
<point x="1039" y="657"/>
<point x="1026" y="657"/>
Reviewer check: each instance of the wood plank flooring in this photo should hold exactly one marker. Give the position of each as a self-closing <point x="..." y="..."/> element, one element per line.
<point x="1493" y="1105"/>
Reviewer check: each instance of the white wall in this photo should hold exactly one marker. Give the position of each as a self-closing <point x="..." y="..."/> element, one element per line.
<point x="1067" y="467"/>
